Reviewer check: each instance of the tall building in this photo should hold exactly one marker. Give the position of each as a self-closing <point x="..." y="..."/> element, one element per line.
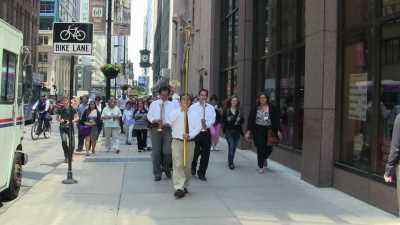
<point x="24" y="15"/>
<point x="121" y="31"/>
<point x="148" y="35"/>
<point x="330" y="66"/>
<point x="162" y="21"/>
<point x="55" y="68"/>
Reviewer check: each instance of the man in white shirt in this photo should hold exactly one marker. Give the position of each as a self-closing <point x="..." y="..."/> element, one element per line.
<point x="182" y="174"/>
<point x="121" y="105"/>
<point x="161" y="138"/>
<point x="206" y="112"/>
<point x="110" y="116"/>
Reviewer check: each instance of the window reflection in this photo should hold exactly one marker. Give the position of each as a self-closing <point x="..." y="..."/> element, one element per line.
<point x="357" y="105"/>
<point x="390" y="89"/>
<point x="390" y="7"/>
<point x="284" y="64"/>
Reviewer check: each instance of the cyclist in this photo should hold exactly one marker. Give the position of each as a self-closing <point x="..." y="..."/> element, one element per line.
<point x="42" y="106"/>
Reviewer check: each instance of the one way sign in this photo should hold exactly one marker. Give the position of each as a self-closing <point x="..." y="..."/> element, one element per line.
<point x="73" y="38"/>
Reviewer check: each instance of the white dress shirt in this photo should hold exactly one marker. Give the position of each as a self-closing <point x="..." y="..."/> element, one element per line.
<point x="177" y="122"/>
<point x="122" y="102"/>
<point x="155" y="111"/>
<point x="209" y="113"/>
<point x="176" y="101"/>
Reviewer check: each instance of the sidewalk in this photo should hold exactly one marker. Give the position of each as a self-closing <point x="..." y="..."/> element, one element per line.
<point x="119" y="190"/>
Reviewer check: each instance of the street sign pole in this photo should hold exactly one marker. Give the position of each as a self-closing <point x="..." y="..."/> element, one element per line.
<point x="72" y="39"/>
<point x="71" y="136"/>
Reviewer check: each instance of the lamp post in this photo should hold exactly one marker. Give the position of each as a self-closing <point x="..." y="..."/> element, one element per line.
<point x="109" y="24"/>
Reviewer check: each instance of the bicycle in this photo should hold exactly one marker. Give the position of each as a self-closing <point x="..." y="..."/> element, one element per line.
<point x="79" y="35"/>
<point x="46" y="130"/>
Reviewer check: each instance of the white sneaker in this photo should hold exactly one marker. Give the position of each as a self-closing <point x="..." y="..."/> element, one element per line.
<point x="261" y="170"/>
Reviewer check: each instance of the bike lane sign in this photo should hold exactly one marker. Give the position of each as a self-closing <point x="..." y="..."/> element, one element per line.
<point x="73" y="38"/>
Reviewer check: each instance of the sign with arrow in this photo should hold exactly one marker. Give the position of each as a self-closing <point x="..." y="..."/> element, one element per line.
<point x="73" y="38"/>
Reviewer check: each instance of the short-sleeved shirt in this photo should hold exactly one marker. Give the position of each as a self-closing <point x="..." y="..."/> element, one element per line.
<point x="114" y="112"/>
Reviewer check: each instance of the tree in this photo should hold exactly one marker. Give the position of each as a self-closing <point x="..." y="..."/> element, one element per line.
<point x="138" y="91"/>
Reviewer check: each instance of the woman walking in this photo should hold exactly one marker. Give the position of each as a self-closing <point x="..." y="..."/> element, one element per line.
<point x="232" y="120"/>
<point x="91" y="120"/>
<point x="263" y="126"/>
<point x="215" y="130"/>
<point x="128" y="122"/>
<point x="141" y="125"/>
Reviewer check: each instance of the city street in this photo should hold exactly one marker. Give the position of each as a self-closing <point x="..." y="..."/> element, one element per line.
<point x="119" y="190"/>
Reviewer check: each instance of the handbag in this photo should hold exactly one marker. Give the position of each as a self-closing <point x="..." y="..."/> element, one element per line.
<point x="272" y="138"/>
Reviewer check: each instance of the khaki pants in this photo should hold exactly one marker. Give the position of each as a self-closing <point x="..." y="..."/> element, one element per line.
<point x="112" y="141"/>
<point x="181" y="175"/>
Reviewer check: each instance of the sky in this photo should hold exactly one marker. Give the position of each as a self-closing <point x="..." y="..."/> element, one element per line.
<point x="135" y="44"/>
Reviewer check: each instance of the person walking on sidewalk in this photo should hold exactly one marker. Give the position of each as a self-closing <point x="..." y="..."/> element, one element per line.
<point x="394" y="157"/>
<point x="121" y="104"/>
<point x="262" y="118"/>
<point x="161" y="134"/>
<point x="92" y="120"/>
<point x="182" y="174"/>
<point x="63" y="114"/>
<point x="129" y="122"/>
<point x="232" y="120"/>
<point x="83" y="106"/>
<point x="203" y="140"/>
<point x="110" y="116"/>
<point x="141" y="125"/>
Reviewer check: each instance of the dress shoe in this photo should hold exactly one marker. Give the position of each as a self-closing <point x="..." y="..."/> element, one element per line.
<point x="202" y="178"/>
<point x="179" y="194"/>
<point x="193" y="172"/>
<point x="186" y="191"/>
<point x="231" y="166"/>
<point x="168" y="174"/>
<point x="157" y="178"/>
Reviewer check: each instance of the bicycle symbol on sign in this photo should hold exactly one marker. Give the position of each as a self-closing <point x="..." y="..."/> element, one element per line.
<point x="74" y="32"/>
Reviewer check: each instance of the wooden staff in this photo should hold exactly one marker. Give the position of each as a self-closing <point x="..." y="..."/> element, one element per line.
<point x="188" y="36"/>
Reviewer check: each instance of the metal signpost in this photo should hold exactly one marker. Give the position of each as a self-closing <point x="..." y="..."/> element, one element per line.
<point x="72" y="39"/>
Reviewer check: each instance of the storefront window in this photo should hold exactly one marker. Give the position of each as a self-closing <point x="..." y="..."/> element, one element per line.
<point x="369" y="108"/>
<point x="357" y="106"/>
<point x="284" y="64"/>
<point x="390" y="90"/>
<point x="230" y="36"/>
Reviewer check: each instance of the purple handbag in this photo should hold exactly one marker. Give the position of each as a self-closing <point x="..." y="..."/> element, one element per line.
<point x="84" y="130"/>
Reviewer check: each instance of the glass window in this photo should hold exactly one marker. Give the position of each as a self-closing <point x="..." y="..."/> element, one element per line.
<point x="356" y="14"/>
<point x="8" y="77"/>
<point x="43" y="40"/>
<point x="43" y="57"/>
<point x="390" y="7"/>
<point x="283" y="30"/>
<point x="390" y="90"/>
<point x="357" y="106"/>
<point x="229" y="46"/>
<point x="46" y="7"/>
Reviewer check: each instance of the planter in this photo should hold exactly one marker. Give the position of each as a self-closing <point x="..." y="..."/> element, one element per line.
<point x="110" y="71"/>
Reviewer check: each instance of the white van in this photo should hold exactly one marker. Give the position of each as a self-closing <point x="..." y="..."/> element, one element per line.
<point x="11" y="112"/>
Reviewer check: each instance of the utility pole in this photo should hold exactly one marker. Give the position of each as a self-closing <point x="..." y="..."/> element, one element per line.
<point x="109" y="26"/>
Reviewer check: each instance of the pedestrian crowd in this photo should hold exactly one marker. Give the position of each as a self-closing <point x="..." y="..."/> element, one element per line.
<point x="183" y="129"/>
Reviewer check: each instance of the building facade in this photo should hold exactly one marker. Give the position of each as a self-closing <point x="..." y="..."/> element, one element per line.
<point x="161" y="20"/>
<point x="330" y="67"/>
<point x="24" y="15"/>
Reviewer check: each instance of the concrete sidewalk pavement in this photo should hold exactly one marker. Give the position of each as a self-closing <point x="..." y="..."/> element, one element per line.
<point x="119" y="190"/>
